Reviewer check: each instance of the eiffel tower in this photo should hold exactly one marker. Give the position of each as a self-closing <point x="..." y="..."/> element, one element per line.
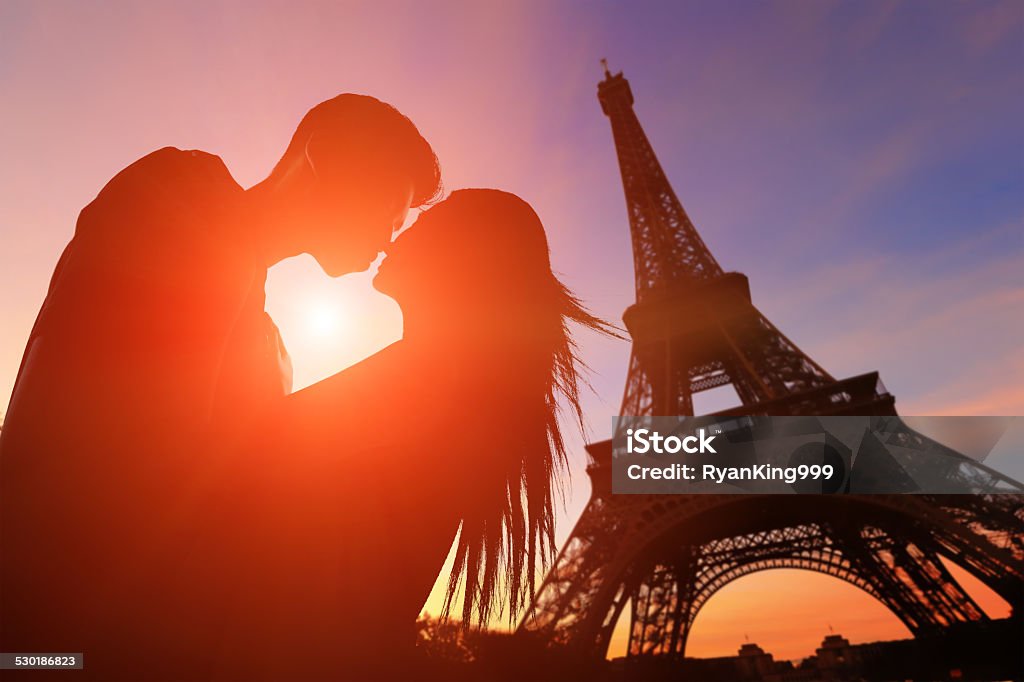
<point x="695" y="328"/>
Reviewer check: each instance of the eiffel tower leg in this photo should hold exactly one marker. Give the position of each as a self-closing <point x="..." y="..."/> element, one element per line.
<point x="912" y="582"/>
<point x="663" y="607"/>
<point x="950" y="602"/>
<point x="683" y="614"/>
<point x="1006" y="584"/>
<point x="994" y="552"/>
<point x="653" y="605"/>
<point x="619" y="602"/>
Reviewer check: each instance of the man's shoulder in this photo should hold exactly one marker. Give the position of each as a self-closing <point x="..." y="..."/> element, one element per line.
<point x="169" y="192"/>
<point x="173" y="216"/>
<point x="168" y="169"/>
<point x="194" y="160"/>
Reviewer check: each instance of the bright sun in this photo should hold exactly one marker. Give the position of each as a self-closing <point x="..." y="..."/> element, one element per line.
<point x="323" y="319"/>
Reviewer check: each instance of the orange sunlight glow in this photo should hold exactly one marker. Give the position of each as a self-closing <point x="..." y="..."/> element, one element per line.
<point x="324" y="319"/>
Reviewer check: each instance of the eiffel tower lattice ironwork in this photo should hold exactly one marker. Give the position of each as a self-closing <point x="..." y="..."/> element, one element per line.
<point x="694" y="327"/>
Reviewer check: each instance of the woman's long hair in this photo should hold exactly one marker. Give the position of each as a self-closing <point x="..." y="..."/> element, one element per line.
<point x="507" y="530"/>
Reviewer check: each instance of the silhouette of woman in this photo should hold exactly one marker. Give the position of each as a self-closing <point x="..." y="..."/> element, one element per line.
<point x="451" y="431"/>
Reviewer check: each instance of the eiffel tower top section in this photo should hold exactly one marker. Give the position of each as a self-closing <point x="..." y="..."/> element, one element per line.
<point x="668" y="253"/>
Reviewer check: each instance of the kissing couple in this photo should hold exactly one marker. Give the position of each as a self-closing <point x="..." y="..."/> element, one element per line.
<point x="173" y="511"/>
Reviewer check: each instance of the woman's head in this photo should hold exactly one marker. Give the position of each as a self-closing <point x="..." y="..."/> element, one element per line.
<point x="474" y="271"/>
<point x="475" y="257"/>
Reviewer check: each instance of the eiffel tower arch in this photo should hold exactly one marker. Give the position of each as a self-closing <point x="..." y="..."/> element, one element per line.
<point x="695" y="327"/>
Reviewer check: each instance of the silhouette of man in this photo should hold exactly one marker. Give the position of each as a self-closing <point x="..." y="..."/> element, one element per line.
<point x="151" y="353"/>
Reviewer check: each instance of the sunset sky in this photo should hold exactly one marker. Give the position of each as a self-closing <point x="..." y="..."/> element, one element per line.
<point x="862" y="163"/>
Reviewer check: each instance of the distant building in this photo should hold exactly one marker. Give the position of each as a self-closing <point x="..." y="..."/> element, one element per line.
<point x="837" y="652"/>
<point x="753" y="662"/>
<point x="836" y="655"/>
<point x="988" y="651"/>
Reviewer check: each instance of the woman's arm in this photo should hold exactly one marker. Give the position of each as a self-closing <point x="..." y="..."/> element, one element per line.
<point x="402" y="400"/>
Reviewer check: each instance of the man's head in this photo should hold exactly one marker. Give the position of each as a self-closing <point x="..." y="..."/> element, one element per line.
<point x="352" y="171"/>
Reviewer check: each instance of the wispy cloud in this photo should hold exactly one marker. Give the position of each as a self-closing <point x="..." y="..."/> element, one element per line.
<point x="946" y="336"/>
<point x="992" y="25"/>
